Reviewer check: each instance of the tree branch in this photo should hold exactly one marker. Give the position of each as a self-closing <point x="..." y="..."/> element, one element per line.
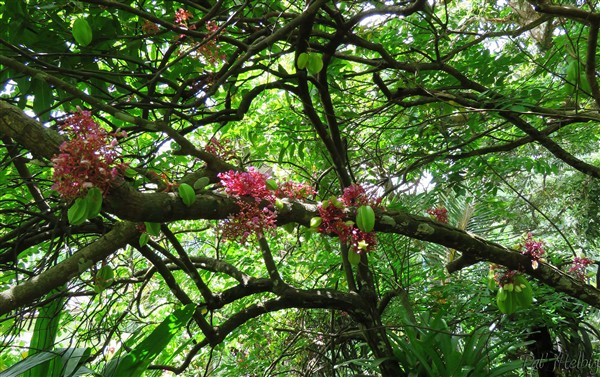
<point x="26" y="293"/>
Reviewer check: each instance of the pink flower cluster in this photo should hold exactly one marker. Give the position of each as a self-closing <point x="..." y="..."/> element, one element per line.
<point x="220" y="148"/>
<point x="439" y="213"/>
<point x="251" y="219"/>
<point x="209" y="48"/>
<point x="149" y="27"/>
<point x="251" y="189"/>
<point x="578" y="267"/>
<point x="332" y="213"/>
<point x="182" y="16"/>
<point x="503" y="276"/>
<point x="88" y="159"/>
<point x="257" y="204"/>
<point x="248" y="183"/>
<point x="294" y="190"/>
<point x="534" y="249"/>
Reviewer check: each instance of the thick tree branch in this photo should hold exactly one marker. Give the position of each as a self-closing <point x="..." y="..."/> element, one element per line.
<point x="43" y="143"/>
<point x="565" y="11"/>
<point x="475" y="247"/>
<point x="590" y="62"/>
<point x="26" y="293"/>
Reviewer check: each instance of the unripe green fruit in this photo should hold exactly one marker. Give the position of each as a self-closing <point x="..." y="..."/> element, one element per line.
<point x="315" y="222"/>
<point x="82" y="32"/>
<point x="201" y="183"/>
<point x="187" y="194"/>
<point x="365" y="218"/>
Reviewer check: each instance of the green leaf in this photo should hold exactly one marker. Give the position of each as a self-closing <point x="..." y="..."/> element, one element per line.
<point x="130" y="173"/>
<point x="73" y="360"/>
<point x="104" y="278"/>
<point x="93" y="200"/>
<point x="44" y="333"/>
<point x="302" y="60"/>
<point x="153" y="229"/>
<point x="82" y="32"/>
<point x="42" y="99"/>
<point x="144" y="238"/>
<point x="518" y="108"/>
<point x="78" y="212"/>
<point x="23" y="367"/>
<point x="187" y="194"/>
<point x="290" y="228"/>
<point x="138" y="360"/>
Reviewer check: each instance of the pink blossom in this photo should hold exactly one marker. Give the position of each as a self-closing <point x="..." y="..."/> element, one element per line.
<point x="250" y="183"/>
<point x="209" y="48"/>
<point x="182" y="15"/>
<point x="334" y="218"/>
<point x="251" y="189"/>
<point x="87" y="159"/>
<point x="294" y="190"/>
<point x="150" y="27"/>
<point x="533" y="248"/>
<point x="251" y="219"/>
<point x="333" y="215"/>
<point x="439" y="213"/>
<point x="220" y="148"/>
<point x="354" y="196"/>
<point x="363" y="241"/>
<point x="503" y="276"/>
<point x="578" y="267"/>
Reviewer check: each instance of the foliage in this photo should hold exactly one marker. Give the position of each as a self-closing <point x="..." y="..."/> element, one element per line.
<point x="317" y="188"/>
<point x="435" y="351"/>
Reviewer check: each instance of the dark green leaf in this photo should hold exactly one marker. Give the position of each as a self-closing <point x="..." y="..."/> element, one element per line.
<point x="153" y="229"/>
<point x="138" y="360"/>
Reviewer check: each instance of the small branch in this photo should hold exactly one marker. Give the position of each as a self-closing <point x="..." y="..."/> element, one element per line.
<point x="461" y="262"/>
<point x="515" y="119"/>
<point x="215" y="265"/>
<point x="60" y="84"/>
<point x="179" y="293"/>
<point x="398" y="292"/>
<point x="295" y="298"/>
<point x="189" y="266"/>
<point x="25" y="174"/>
<point x="348" y="268"/>
<point x="270" y="264"/>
